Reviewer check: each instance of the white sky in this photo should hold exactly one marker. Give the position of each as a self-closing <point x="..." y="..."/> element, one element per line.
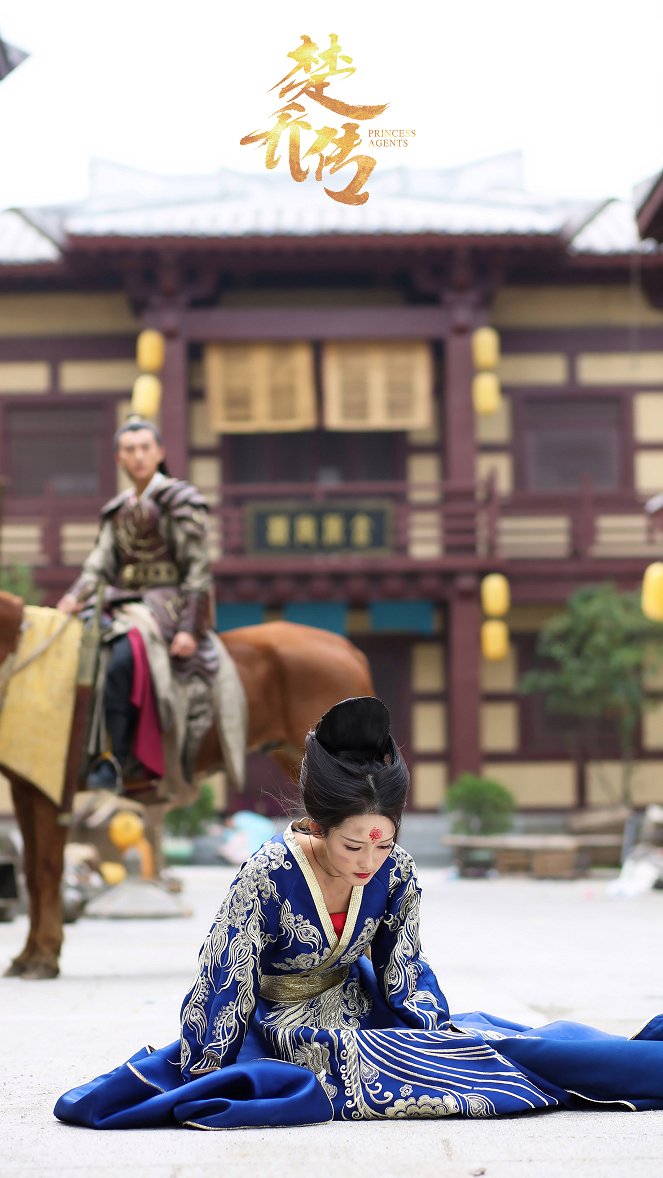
<point x="172" y="86"/>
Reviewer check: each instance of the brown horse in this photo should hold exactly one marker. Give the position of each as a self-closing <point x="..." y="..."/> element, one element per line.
<point x="291" y="675"/>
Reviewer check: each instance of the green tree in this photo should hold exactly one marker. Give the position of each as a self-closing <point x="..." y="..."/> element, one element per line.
<point x="478" y="805"/>
<point x="19" y="580"/>
<point x="192" y="820"/>
<point x="599" y="653"/>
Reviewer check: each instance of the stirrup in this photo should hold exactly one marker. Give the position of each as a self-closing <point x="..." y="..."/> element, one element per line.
<point x="106" y="773"/>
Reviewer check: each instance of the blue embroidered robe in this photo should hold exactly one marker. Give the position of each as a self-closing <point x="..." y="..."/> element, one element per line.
<point x="287" y="1024"/>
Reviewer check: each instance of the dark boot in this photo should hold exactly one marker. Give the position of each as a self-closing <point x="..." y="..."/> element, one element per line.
<point x="106" y="773"/>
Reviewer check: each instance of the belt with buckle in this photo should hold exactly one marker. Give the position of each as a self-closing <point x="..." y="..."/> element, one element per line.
<point x="159" y="572"/>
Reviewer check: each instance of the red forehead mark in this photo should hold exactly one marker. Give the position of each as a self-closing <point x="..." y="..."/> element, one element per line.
<point x="375" y="834"/>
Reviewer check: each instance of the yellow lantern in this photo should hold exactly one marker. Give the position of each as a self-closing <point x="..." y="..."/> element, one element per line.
<point x="494" y="640"/>
<point x="150" y="351"/>
<point x="146" y="396"/>
<point x="125" y="829"/>
<point x="485" y="348"/>
<point x="113" y="873"/>
<point x="486" y="394"/>
<point x="652" y="592"/>
<point x="495" y="595"/>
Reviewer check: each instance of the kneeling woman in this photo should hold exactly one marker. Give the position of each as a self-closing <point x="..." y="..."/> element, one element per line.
<point x="288" y="1021"/>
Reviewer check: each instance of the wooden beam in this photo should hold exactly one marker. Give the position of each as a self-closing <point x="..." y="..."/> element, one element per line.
<point x="216" y="324"/>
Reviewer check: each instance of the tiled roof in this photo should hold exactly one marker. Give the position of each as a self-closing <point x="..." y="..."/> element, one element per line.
<point x="612" y="229"/>
<point x="22" y="242"/>
<point x="648" y="198"/>
<point x="10" y="57"/>
<point x="300" y="215"/>
<point x="483" y="199"/>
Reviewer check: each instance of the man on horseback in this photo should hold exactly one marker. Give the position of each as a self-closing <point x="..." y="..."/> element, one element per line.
<point x="151" y="554"/>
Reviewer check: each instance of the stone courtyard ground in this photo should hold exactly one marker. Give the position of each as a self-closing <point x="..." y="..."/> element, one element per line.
<point x="530" y="950"/>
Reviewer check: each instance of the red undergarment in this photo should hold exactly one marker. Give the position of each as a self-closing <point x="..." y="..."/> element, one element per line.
<point x="338" y="921"/>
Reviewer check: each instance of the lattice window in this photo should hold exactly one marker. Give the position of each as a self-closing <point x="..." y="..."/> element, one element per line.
<point x="377" y="386"/>
<point x="60" y="445"/>
<point x="260" y="388"/>
<point x="565" y="440"/>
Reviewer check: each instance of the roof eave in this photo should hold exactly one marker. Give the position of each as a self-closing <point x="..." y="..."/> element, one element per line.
<point x="622" y="258"/>
<point x="31" y="269"/>
<point x="118" y="243"/>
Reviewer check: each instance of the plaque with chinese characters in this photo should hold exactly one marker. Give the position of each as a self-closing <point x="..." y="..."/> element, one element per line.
<point x="284" y="529"/>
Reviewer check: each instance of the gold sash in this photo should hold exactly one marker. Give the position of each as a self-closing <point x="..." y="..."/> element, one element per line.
<point x="300" y="987"/>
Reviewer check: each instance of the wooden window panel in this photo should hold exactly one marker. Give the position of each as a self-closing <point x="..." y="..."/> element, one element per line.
<point x="260" y="388"/>
<point x="377" y="386"/>
<point x="564" y="441"/>
<point x="58" y="445"/>
<point x="554" y="734"/>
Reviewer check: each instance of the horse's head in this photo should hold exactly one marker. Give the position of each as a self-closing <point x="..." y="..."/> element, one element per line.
<point x="11" y="616"/>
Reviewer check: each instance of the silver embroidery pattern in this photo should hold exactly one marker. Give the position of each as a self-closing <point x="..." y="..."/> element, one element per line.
<point x="402" y="867"/>
<point x="399" y="1074"/>
<point x="299" y="928"/>
<point x="231" y="951"/>
<point x="344" y="1005"/>
<point x="405" y="964"/>
<point x="315" y="1057"/>
<point x="361" y="942"/>
<point x="303" y="961"/>
<point x="425" y="1106"/>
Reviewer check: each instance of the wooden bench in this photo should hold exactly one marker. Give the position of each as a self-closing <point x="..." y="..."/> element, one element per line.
<point x="545" y="856"/>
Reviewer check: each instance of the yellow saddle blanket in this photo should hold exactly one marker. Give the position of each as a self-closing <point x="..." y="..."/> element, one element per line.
<point x="38" y="706"/>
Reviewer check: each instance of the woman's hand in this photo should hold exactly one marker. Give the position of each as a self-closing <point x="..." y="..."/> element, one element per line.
<point x="183" y="645"/>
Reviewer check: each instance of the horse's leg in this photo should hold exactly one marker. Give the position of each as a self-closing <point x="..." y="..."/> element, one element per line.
<point x="49" y="842"/>
<point x="24" y="810"/>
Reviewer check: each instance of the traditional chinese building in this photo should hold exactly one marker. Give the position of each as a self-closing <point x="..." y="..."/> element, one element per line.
<point x="650" y="209"/>
<point x="318" y="386"/>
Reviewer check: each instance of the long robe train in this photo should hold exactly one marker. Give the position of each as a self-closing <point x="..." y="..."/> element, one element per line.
<point x="285" y="1023"/>
<point x="147" y="1092"/>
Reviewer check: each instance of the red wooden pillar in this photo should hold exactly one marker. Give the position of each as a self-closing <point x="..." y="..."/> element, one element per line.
<point x="174" y="408"/>
<point x="459" y="448"/>
<point x="463" y="674"/>
<point x="458" y="411"/>
<point x="464" y="611"/>
<point x="174" y="380"/>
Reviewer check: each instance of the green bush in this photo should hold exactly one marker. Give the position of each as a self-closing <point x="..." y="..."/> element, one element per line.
<point x="478" y="805"/>
<point x="19" y="580"/>
<point x="190" y="821"/>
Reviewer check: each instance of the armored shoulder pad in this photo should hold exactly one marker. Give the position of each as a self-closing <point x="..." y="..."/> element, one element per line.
<point x="184" y="503"/>
<point x="111" y="507"/>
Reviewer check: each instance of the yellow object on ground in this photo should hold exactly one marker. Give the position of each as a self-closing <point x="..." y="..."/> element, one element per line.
<point x="125" y="829"/>
<point x="146" y="858"/>
<point x="36" y="715"/>
<point x="113" y="873"/>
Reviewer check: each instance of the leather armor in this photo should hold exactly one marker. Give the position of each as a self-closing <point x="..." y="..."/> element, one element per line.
<point x="153" y="537"/>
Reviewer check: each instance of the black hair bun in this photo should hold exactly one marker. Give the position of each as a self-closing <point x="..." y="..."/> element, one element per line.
<point x="358" y="725"/>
